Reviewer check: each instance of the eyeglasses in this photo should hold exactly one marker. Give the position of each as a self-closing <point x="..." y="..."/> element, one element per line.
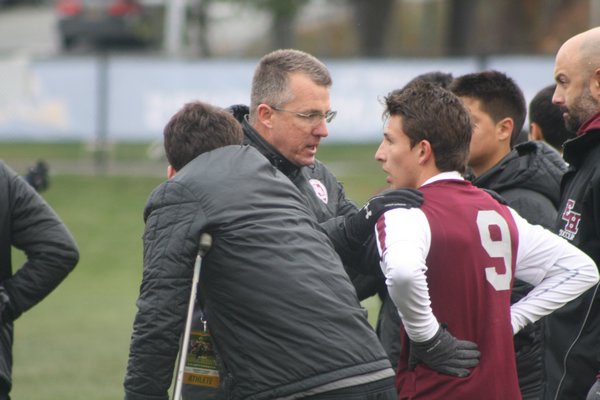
<point x="312" y="117"/>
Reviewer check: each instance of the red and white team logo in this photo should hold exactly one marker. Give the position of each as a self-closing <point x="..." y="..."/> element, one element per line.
<point x="572" y="221"/>
<point x="320" y="190"/>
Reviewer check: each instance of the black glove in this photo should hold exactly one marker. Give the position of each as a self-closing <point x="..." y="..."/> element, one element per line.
<point x="37" y="176"/>
<point x="445" y="354"/>
<point x="360" y="225"/>
<point x="594" y="393"/>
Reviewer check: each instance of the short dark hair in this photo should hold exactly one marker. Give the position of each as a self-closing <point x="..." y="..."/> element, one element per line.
<point x="499" y="95"/>
<point x="444" y="79"/>
<point x="198" y="128"/>
<point x="430" y="112"/>
<point x="549" y="117"/>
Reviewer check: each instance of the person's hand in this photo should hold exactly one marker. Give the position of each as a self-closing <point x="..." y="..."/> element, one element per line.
<point x="360" y="225"/>
<point x="445" y="354"/>
<point x="594" y="393"/>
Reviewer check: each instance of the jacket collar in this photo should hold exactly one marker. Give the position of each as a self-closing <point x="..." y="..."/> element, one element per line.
<point x="253" y="138"/>
<point x="592" y="123"/>
<point x="588" y="137"/>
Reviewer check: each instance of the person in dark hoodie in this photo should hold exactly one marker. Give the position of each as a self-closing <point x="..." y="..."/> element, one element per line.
<point x="572" y="352"/>
<point x="527" y="176"/>
<point x="29" y="224"/>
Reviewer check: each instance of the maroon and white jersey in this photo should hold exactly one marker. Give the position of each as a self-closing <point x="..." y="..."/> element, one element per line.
<point x="453" y="261"/>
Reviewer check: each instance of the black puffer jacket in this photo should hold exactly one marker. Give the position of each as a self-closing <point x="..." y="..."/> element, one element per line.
<point x="29" y="224"/>
<point x="528" y="178"/>
<point x="280" y="308"/>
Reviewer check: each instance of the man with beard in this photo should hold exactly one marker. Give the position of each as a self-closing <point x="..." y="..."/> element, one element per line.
<point x="572" y="356"/>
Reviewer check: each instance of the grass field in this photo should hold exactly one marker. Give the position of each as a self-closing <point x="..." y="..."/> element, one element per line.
<point x="74" y="344"/>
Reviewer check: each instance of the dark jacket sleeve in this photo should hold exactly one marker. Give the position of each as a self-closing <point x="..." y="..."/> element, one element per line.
<point x="362" y="262"/>
<point x="174" y="221"/>
<point x="49" y="246"/>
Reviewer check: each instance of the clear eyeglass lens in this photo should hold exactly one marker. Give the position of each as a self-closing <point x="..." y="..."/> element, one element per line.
<point x="315" y="118"/>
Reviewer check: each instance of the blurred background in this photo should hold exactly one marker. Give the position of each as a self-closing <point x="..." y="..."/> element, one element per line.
<point x="87" y="86"/>
<point x="112" y="70"/>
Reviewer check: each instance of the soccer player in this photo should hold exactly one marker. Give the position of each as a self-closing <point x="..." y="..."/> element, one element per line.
<point x="450" y="264"/>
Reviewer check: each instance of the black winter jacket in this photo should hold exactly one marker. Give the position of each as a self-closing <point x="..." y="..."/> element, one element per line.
<point x="326" y="198"/>
<point x="281" y="310"/>
<point x="572" y="357"/>
<point x="29" y="224"/>
<point x="528" y="178"/>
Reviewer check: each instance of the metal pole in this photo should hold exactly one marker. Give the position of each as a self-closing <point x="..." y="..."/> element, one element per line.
<point x="174" y="26"/>
<point x="101" y="144"/>
<point x="204" y="246"/>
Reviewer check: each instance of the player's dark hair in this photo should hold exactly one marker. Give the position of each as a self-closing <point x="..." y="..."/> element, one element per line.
<point x="430" y="112"/>
<point x="499" y="95"/>
<point x="198" y="128"/>
<point x="549" y="117"/>
<point x="444" y="79"/>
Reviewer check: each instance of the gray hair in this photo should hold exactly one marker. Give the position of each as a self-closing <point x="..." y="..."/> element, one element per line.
<point x="270" y="81"/>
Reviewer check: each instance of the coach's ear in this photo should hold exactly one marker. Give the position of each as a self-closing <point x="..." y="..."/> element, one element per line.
<point x="595" y="86"/>
<point x="170" y="171"/>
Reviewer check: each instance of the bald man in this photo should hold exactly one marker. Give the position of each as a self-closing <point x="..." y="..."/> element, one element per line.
<point x="572" y="359"/>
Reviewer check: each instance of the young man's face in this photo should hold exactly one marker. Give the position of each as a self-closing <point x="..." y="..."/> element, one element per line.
<point x="295" y="137"/>
<point x="484" y="144"/>
<point x="398" y="159"/>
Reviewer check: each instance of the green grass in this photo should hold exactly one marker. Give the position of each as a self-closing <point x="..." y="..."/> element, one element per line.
<point x="74" y="344"/>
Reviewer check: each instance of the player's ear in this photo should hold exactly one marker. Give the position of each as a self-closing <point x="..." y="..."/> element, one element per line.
<point x="425" y="151"/>
<point x="170" y="171"/>
<point x="535" y="132"/>
<point x="504" y="129"/>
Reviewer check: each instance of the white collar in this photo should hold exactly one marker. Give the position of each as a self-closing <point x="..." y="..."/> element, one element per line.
<point x="444" y="176"/>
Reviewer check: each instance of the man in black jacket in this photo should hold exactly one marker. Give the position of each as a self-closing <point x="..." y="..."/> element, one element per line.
<point x="29" y="224"/>
<point x="526" y="176"/>
<point x="286" y="121"/>
<point x="572" y="351"/>
<point x="282" y="312"/>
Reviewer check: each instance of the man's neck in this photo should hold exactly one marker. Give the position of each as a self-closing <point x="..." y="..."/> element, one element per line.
<point x="490" y="163"/>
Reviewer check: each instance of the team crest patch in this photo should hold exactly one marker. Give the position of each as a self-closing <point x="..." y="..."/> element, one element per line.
<point x="572" y="220"/>
<point x="320" y="190"/>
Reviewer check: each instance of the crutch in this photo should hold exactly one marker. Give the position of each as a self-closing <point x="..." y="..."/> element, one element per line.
<point x="205" y="243"/>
